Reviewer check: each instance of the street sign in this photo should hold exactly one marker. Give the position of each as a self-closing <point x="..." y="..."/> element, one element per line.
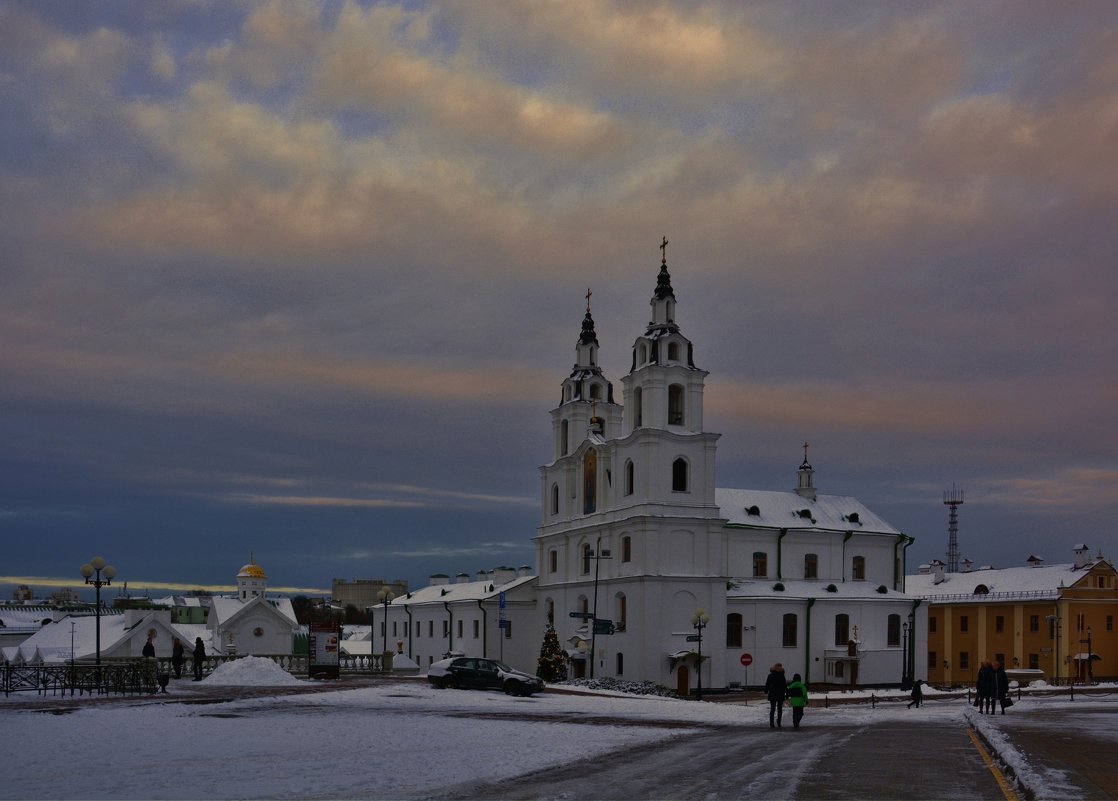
<point x="502" y="624"/>
<point x="500" y="600"/>
<point x="746" y="660"/>
<point x="604" y="627"/>
<point x="583" y="615"/>
<point x="693" y="638"/>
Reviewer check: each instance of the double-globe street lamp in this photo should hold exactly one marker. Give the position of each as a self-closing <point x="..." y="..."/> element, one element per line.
<point x="93" y="573"/>
<point x="699" y="620"/>
<point x="385" y="597"/>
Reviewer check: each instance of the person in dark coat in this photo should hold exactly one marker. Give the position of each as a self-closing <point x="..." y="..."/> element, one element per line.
<point x="177" y="657"/>
<point x="199" y="658"/>
<point x="149" y="649"/>
<point x="989" y="681"/>
<point x="917" y="694"/>
<point x="981" y="686"/>
<point x="1001" y="683"/>
<point x="776" y="688"/>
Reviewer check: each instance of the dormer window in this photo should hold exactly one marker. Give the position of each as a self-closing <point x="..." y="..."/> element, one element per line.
<point x="753" y="511"/>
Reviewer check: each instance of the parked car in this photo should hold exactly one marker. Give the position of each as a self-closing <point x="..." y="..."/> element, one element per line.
<point x="488" y="674"/>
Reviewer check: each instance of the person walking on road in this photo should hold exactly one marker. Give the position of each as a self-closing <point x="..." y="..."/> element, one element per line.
<point x="917" y="694"/>
<point x="177" y="657"/>
<point x="797" y="696"/>
<point x="981" y="686"/>
<point x="1001" y="682"/>
<point x="199" y="658"/>
<point x="776" y="688"/>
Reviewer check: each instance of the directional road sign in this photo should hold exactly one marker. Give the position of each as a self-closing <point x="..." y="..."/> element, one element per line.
<point x="693" y="638"/>
<point x="604" y="627"/>
<point x="583" y="615"/>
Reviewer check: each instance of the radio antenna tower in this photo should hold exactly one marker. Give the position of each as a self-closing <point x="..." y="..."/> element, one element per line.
<point x="954" y="499"/>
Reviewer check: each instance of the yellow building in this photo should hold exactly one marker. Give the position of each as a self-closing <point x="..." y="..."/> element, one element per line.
<point x="1039" y="621"/>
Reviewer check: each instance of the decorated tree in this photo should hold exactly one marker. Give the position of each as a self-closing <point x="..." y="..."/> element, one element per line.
<point x="553" y="661"/>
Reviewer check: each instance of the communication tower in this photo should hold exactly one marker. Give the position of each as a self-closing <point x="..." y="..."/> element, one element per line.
<point x="953" y="499"/>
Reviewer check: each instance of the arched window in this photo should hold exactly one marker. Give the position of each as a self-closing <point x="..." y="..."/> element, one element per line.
<point x="595" y="392"/>
<point x="858" y="568"/>
<point x="893" y="634"/>
<point x="586" y="551"/>
<point x="760" y="563"/>
<point x="840" y="669"/>
<point x="590" y="482"/>
<point x="642" y="353"/>
<point x="842" y="630"/>
<point x="679" y="475"/>
<point x="555" y="499"/>
<point x="811" y="566"/>
<point x="621" y="610"/>
<point x="733" y="630"/>
<point x="626" y="549"/>
<point x="673" y="351"/>
<point x="563" y="438"/>
<point x="675" y="405"/>
<point x="638" y="407"/>
<point x="553" y="561"/>
<point x="550" y="615"/>
<point x="628" y="476"/>
<point x="791" y="630"/>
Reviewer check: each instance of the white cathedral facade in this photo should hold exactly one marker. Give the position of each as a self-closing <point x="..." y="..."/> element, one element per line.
<point x="635" y="533"/>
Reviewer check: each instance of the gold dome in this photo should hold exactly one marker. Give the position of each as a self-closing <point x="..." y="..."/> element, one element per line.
<point x="251" y="571"/>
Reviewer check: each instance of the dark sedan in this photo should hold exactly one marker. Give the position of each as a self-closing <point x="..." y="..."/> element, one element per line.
<point x="478" y="673"/>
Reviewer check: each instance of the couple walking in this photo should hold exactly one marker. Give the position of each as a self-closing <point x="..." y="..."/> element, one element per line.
<point x="778" y="688"/>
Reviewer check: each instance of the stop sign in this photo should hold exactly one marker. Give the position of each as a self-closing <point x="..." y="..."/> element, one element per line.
<point x="746" y="660"/>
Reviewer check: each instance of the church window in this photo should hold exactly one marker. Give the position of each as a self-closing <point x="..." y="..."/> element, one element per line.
<point x="893" y="633"/>
<point x="858" y="568"/>
<point x="586" y="552"/>
<point x="595" y="392"/>
<point x="842" y="630"/>
<point x="679" y="475"/>
<point x="642" y="354"/>
<point x="590" y="482"/>
<point x="811" y="566"/>
<point x="563" y="431"/>
<point x="760" y="563"/>
<point x="622" y="611"/>
<point x="620" y="664"/>
<point x="593" y="355"/>
<point x="790" y="630"/>
<point x="673" y="351"/>
<point x="555" y="499"/>
<point x="638" y="407"/>
<point x="629" y="477"/>
<point x="552" y="561"/>
<point x="583" y="601"/>
<point x="733" y="630"/>
<point x="675" y="405"/>
<point x="626" y="549"/>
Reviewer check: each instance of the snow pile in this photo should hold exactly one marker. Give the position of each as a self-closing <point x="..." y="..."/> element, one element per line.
<point x="250" y="671"/>
<point x="619" y="686"/>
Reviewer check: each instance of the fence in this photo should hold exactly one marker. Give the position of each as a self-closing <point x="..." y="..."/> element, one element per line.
<point x="139" y="676"/>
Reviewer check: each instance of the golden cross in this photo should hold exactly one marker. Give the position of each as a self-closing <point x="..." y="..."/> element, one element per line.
<point x="588" y="294"/>
<point x="664" y="251"/>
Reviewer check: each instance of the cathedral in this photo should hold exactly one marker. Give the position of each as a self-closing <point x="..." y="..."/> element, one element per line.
<point x="649" y="572"/>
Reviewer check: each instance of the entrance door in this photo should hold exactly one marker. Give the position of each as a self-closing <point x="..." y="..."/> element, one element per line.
<point x="578" y="667"/>
<point x="683" y="681"/>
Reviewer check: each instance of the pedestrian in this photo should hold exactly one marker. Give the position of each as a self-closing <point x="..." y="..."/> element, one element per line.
<point x="199" y="658"/>
<point x="1001" y="682"/>
<point x="149" y="649"/>
<point x="797" y="696"/>
<point x="980" y="684"/>
<point x="776" y="688"/>
<point x="917" y="694"/>
<point x="988" y="678"/>
<point x="177" y="657"/>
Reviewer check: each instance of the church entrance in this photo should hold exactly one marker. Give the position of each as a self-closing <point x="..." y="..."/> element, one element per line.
<point x="683" y="681"/>
<point x="578" y="668"/>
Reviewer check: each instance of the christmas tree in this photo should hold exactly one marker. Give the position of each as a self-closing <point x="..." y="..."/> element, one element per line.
<point x="553" y="661"/>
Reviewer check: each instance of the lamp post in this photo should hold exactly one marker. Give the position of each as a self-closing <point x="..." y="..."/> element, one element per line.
<point x="93" y="572"/>
<point x="699" y="620"/>
<point x="597" y="555"/>
<point x="906" y="682"/>
<point x="385" y="596"/>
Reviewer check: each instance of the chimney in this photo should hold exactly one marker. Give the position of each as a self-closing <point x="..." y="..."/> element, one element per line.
<point x="1082" y="556"/>
<point x="503" y="575"/>
<point x="462" y="578"/>
<point x="937" y="571"/>
<point x="483" y="575"/>
<point x="524" y="570"/>
<point x="438" y="579"/>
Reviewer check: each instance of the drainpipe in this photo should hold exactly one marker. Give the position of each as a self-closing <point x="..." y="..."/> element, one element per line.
<point x="900" y="566"/>
<point x="807" y="642"/>
<point x="780" y="554"/>
<point x="849" y="534"/>
<point x="449" y="625"/>
<point x="484" y="629"/>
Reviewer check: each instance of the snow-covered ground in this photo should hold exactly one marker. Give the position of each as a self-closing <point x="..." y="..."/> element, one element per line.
<point x="399" y="740"/>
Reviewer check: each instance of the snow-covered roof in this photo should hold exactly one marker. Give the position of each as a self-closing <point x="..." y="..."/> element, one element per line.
<point x="24" y="617"/>
<point x="464" y="591"/>
<point x="51" y="643"/>
<point x="225" y="608"/>
<point x="755" y="588"/>
<point x="791" y="511"/>
<point x="1025" y="581"/>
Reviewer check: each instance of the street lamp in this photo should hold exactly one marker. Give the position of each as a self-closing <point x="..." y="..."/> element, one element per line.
<point x="597" y="555"/>
<point x="906" y="682"/>
<point x="93" y="572"/>
<point x="385" y="596"/>
<point x="699" y="620"/>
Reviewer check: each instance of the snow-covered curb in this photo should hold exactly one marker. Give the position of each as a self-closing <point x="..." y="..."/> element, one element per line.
<point x="1049" y="785"/>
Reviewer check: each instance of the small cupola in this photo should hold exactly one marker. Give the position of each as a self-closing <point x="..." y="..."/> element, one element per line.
<point x="805" y="488"/>
<point x="251" y="581"/>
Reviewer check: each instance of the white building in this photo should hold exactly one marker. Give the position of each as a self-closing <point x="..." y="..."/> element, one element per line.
<point x="634" y="530"/>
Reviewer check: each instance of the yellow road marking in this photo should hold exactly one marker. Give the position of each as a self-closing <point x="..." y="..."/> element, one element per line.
<point x="1008" y="791"/>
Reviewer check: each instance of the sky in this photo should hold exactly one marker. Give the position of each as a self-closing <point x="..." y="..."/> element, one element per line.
<point x="301" y="281"/>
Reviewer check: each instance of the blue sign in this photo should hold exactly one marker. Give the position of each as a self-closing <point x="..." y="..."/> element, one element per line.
<point x="502" y="624"/>
<point x="500" y="600"/>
